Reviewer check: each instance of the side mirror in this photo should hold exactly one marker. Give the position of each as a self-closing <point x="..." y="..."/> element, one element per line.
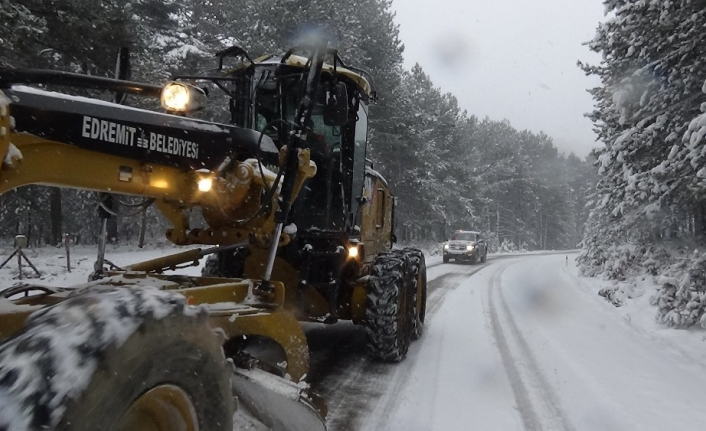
<point x="336" y="113"/>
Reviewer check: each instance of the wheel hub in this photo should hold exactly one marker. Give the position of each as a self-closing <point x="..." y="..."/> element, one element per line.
<point x="163" y="408"/>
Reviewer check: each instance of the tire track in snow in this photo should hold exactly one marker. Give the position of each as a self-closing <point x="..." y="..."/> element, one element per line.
<point x="538" y="403"/>
<point x="443" y="285"/>
<point x="351" y="384"/>
<point x="437" y="291"/>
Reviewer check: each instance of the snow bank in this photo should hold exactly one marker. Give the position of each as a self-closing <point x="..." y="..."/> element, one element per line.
<point x="51" y="262"/>
<point x="673" y="273"/>
<point x="681" y="297"/>
<point x="637" y="300"/>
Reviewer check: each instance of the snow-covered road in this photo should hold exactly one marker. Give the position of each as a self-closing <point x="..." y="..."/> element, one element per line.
<point x="519" y="343"/>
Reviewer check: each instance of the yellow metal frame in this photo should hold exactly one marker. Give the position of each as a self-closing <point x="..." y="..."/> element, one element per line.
<point x="234" y="197"/>
<point x="299" y="61"/>
<point x="235" y="306"/>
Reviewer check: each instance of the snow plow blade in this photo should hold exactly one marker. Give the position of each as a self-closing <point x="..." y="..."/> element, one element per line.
<point x="279" y="404"/>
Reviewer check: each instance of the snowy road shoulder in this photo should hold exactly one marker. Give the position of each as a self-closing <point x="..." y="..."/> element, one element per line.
<point x="51" y="262"/>
<point x="521" y="342"/>
<point x="524" y="344"/>
<point x="452" y="378"/>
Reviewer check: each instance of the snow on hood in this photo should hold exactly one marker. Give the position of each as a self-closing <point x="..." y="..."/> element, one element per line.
<point x="460" y="242"/>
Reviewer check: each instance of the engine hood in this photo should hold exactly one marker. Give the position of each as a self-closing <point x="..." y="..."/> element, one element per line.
<point x="458" y="242"/>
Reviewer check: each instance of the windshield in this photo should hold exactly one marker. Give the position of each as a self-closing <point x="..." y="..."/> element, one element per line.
<point x="463" y="236"/>
<point x="268" y="108"/>
<point x="322" y="203"/>
<point x="359" y="155"/>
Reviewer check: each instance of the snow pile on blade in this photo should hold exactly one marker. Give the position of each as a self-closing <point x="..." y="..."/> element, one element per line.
<point x="278" y="403"/>
<point x="13" y="154"/>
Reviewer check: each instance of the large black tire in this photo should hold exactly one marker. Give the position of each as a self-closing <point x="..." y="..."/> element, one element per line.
<point x="80" y="365"/>
<point x="388" y="313"/>
<point x="485" y="256"/>
<point x="229" y="264"/>
<point x="446" y="259"/>
<point x="419" y="272"/>
<point x="212" y="266"/>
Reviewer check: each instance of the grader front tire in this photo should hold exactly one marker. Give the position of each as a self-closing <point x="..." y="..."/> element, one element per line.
<point x="419" y="274"/>
<point x="228" y="264"/>
<point x="121" y="359"/>
<point x="389" y="308"/>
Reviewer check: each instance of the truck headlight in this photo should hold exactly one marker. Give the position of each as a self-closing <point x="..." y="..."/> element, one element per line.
<point x="470" y="247"/>
<point x="446" y="246"/>
<point x="181" y="97"/>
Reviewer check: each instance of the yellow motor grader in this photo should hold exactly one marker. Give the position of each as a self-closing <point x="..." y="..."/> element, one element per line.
<point x="298" y="227"/>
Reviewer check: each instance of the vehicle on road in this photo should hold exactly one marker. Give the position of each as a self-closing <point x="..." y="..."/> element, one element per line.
<point x="466" y="246"/>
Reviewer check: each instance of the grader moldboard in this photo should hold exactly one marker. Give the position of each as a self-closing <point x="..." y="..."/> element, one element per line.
<point x="299" y="228"/>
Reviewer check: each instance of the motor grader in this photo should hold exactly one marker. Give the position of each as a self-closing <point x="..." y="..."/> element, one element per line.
<point x="297" y="226"/>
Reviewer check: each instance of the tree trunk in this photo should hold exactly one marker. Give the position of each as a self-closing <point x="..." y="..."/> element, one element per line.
<point x="546" y="232"/>
<point x="108" y="211"/>
<point x="29" y="227"/>
<point x="112" y="229"/>
<point x="143" y="227"/>
<point x="55" y="216"/>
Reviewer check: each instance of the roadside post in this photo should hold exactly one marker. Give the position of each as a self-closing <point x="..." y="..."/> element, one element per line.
<point x="67" y="242"/>
<point x="20" y="243"/>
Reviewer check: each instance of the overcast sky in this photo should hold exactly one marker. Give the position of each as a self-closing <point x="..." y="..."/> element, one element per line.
<point x="513" y="59"/>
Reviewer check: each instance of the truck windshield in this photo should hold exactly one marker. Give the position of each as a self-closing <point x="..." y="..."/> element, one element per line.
<point x="463" y="236"/>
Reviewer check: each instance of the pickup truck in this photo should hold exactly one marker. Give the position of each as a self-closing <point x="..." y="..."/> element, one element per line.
<point x="466" y="245"/>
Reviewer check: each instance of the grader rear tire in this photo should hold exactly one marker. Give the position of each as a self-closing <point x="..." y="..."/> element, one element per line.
<point x="419" y="273"/>
<point x="212" y="267"/>
<point x="388" y="314"/>
<point x="120" y="359"/>
<point x="228" y="264"/>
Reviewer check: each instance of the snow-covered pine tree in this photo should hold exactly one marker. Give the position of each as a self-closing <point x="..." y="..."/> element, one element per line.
<point x="650" y="193"/>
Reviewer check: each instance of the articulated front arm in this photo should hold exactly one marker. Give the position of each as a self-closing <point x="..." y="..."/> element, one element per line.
<point x="57" y="140"/>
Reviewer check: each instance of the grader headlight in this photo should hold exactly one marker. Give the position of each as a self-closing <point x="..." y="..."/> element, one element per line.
<point x="353" y="251"/>
<point x="205" y="184"/>
<point x="181" y="97"/>
<point x="204" y="180"/>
